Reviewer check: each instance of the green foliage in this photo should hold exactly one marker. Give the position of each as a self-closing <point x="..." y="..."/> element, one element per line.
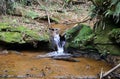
<point x="107" y="13"/>
<point x="11" y="37"/>
<point x="20" y="34"/>
<point x="3" y="25"/>
<point x="32" y="14"/>
<point x="80" y="36"/>
<point x="67" y="1"/>
<point x="83" y="35"/>
<point x="108" y="49"/>
<point x="115" y="35"/>
<point x="26" y="2"/>
<point x="103" y="41"/>
<point x="71" y="33"/>
<point x="106" y="9"/>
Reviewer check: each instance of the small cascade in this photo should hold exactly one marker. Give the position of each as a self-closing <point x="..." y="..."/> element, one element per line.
<point x="59" y="41"/>
<point x="60" y="46"/>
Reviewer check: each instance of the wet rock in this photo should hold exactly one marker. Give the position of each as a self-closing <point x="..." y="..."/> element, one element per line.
<point x="65" y="58"/>
<point x="95" y="56"/>
<point x="4" y="52"/>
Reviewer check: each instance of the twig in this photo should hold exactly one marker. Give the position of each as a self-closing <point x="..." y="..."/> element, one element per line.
<point x="101" y="73"/>
<point x="111" y="70"/>
<point x="46" y="14"/>
<point x="84" y="20"/>
<point x="48" y="17"/>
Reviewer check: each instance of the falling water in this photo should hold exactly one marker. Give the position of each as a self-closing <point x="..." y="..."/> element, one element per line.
<point x="59" y="41"/>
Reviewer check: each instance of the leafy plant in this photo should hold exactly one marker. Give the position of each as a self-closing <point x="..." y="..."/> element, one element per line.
<point x="32" y="14"/>
<point x="115" y="35"/>
<point x="106" y="9"/>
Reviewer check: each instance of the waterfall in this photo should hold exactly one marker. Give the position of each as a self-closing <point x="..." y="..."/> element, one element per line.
<point x="59" y="42"/>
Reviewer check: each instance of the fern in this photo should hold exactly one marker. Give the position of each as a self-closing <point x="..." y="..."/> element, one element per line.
<point x="113" y="2"/>
<point x="106" y="9"/>
<point x="32" y="14"/>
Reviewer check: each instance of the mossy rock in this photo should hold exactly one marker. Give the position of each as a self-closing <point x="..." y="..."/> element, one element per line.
<point x="103" y="42"/>
<point x="102" y="35"/>
<point x="20" y="34"/>
<point x="11" y="37"/>
<point x="115" y="35"/>
<point x="108" y="49"/>
<point x="79" y="36"/>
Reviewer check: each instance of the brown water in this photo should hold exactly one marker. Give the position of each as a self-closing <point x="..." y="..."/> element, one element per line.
<point x="26" y="63"/>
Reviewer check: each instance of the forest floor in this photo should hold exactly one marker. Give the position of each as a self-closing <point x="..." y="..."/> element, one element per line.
<point x="34" y="16"/>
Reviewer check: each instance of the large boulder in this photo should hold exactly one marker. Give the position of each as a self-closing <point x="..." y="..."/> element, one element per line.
<point x="20" y="34"/>
<point x="115" y="35"/>
<point x="80" y="37"/>
<point x="105" y="39"/>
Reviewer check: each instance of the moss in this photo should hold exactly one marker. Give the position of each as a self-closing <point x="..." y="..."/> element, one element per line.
<point x="79" y="36"/>
<point x="102" y="34"/>
<point x="20" y="34"/>
<point x="44" y="37"/>
<point x="103" y="42"/>
<point x="20" y="29"/>
<point x="31" y="14"/>
<point x="83" y="35"/>
<point x="114" y="35"/>
<point x="11" y="37"/>
<point x="110" y="49"/>
<point x="34" y="36"/>
<point x="4" y="26"/>
<point x="71" y="33"/>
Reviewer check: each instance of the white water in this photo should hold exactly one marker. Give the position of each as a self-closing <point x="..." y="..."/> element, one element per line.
<point x="60" y="48"/>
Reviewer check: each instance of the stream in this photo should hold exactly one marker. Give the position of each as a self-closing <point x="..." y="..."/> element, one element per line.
<point x="27" y="65"/>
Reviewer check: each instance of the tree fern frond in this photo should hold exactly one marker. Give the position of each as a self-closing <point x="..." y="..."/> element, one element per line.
<point x="113" y="2"/>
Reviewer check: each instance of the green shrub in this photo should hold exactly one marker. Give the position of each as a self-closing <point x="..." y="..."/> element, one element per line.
<point x="115" y="35"/>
